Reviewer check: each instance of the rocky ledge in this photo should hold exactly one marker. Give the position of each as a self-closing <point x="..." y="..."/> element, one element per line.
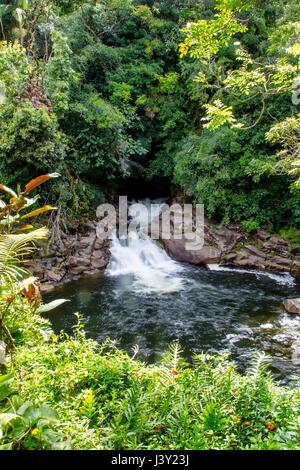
<point x="233" y="246"/>
<point x="83" y="254"/>
<point x="292" y="305"/>
<point x="74" y="256"/>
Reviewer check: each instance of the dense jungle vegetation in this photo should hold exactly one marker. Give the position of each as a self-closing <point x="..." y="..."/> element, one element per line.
<point x="111" y="91"/>
<point x="100" y="95"/>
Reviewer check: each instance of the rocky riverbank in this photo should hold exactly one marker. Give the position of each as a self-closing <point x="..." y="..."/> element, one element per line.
<point x="232" y="246"/>
<point x="83" y="254"/>
<point x="76" y="255"/>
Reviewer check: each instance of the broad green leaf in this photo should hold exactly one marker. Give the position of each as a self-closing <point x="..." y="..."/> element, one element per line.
<point x="7" y="446"/>
<point x="6" y="379"/>
<point x="5" y="418"/>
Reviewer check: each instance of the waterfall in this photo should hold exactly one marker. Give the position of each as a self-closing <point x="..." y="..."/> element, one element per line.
<point x="137" y="255"/>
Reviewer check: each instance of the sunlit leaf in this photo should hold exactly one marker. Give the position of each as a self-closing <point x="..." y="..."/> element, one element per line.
<point x="51" y="305"/>
<point x="38" y="211"/>
<point x="8" y="190"/>
<point x="26" y="227"/>
<point x="39" y="180"/>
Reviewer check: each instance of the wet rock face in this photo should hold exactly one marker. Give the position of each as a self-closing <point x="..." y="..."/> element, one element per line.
<point x="232" y="245"/>
<point x="292" y="305"/>
<point x="202" y="256"/>
<point x="85" y="254"/>
<point x="76" y="255"/>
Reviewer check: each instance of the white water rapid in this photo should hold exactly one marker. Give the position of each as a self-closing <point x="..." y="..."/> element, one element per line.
<point x="285" y="279"/>
<point x="140" y="256"/>
<point x="152" y="270"/>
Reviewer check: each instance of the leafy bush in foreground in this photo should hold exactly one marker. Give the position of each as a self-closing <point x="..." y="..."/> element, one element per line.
<point x="107" y="400"/>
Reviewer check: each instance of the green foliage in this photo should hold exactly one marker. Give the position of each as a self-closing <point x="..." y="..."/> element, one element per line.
<point x="251" y="77"/>
<point x="99" y="92"/>
<point x="24" y="425"/>
<point x="214" y="168"/>
<point x="17" y="242"/>
<point x="168" y="82"/>
<point x="106" y="400"/>
<point x="287" y="133"/>
<point x="217" y="114"/>
<point x="30" y="137"/>
<point x="292" y="233"/>
<point x="205" y="38"/>
<point x="250" y="225"/>
<point x="60" y="75"/>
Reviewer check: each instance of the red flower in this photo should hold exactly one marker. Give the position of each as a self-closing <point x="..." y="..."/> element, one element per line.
<point x="270" y="426"/>
<point x="8" y="300"/>
<point x="158" y="428"/>
<point x="174" y="372"/>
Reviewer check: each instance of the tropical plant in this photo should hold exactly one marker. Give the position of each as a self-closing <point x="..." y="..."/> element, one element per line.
<point x="16" y="243"/>
<point x="26" y="425"/>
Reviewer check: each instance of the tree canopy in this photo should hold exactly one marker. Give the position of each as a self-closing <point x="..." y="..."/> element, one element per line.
<point x="200" y="92"/>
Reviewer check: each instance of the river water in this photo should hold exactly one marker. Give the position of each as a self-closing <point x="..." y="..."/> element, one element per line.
<point x="145" y="298"/>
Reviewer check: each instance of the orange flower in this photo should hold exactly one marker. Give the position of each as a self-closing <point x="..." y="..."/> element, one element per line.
<point x="8" y="300"/>
<point x="247" y="423"/>
<point x="174" y="372"/>
<point x="234" y="392"/>
<point x="238" y="420"/>
<point x="270" y="426"/>
<point x="158" y="428"/>
<point x="107" y="363"/>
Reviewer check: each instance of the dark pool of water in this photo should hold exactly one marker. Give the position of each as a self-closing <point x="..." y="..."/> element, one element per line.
<point x="216" y="312"/>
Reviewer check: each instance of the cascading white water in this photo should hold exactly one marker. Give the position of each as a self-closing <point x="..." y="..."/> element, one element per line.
<point x="285" y="279"/>
<point x="140" y="256"/>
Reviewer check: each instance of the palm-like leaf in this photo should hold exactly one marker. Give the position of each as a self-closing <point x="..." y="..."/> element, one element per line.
<point x="13" y="248"/>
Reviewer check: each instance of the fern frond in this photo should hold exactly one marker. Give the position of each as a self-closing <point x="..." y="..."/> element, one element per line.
<point x="172" y="359"/>
<point x="13" y="248"/>
<point x="259" y="363"/>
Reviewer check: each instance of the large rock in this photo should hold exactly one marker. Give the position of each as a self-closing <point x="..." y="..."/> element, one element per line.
<point x="268" y="246"/>
<point x="76" y="270"/>
<point x="292" y="305"/>
<point x="223" y="238"/>
<point x="263" y="235"/>
<point x="35" y="268"/>
<point x="75" y="261"/>
<point x="54" y="275"/>
<point x="255" y="251"/>
<point x="250" y="262"/>
<point x="276" y="267"/>
<point x="98" y="260"/>
<point x="278" y="241"/>
<point x="242" y="254"/>
<point x="281" y="260"/>
<point x="230" y="257"/>
<point x="206" y="255"/>
<point x="295" y="267"/>
<point x="47" y="287"/>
